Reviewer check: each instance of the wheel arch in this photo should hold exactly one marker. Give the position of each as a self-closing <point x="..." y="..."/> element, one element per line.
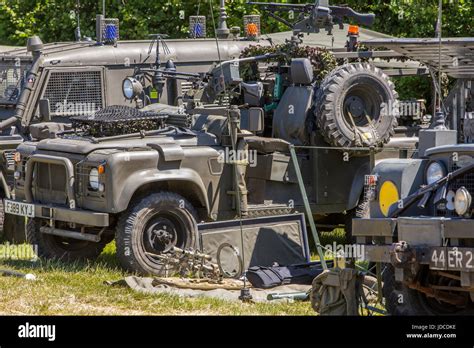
<point x="186" y="183"/>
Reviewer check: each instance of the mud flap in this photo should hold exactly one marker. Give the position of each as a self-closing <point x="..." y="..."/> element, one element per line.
<point x="14" y="229"/>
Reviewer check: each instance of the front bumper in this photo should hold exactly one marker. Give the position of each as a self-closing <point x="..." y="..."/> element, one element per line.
<point x="65" y="214"/>
<point x="42" y="211"/>
<point x="83" y="217"/>
<point x="417" y="231"/>
<point x="417" y="241"/>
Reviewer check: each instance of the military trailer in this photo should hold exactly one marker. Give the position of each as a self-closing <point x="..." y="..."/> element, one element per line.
<point x="418" y="224"/>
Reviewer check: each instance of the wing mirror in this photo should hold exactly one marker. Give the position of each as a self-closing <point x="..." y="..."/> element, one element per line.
<point x="252" y="120"/>
<point x="45" y="110"/>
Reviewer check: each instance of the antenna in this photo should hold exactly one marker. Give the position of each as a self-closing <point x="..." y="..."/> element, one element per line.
<point x="77" y="32"/>
<point x="223" y="31"/>
<point x="440" y="36"/>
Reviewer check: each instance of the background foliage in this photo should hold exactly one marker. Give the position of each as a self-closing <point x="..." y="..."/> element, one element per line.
<point x="55" y="20"/>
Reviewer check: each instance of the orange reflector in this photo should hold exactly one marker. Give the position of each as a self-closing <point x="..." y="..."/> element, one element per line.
<point x="101" y="169"/>
<point x="371" y="180"/>
<point x="353" y="30"/>
<point x="17" y="157"/>
<point x="252" y="29"/>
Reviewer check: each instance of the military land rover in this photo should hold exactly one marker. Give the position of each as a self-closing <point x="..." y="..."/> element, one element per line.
<point x="42" y="85"/>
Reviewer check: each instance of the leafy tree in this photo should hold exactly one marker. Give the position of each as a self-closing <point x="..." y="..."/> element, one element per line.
<point x="55" y="20"/>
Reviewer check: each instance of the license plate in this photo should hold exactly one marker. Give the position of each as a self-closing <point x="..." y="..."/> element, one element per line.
<point x="452" y="259"/>
<point x="17" y="208"/>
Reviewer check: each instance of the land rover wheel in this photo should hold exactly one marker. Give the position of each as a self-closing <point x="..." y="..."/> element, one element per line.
<point x="48" y="246"/>
<point x="401" y="300"/>
<point x="355" y="106"/>
<point x="150" y="228"/>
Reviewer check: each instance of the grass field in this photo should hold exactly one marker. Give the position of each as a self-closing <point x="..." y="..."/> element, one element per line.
<point x="79" y="289"/>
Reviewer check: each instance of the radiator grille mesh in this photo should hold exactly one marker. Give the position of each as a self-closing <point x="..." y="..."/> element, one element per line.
<point x="74" y="93"/>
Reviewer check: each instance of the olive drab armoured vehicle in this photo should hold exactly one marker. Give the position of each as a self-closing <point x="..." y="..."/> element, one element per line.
<point x="223" y="153"/>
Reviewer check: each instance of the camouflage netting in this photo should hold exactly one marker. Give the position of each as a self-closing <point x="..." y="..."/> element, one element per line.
<point x="118" y="119"/>
<point x="322" y="60"/>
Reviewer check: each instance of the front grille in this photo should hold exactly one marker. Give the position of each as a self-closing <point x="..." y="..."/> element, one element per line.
<point x="467" y="181"/>
<point x="49" y="185"/>
<point x="82" y="178"/>
<point x="186" y="86"/>
<point x="12" y="79"/>
<point x="9" y="158"/>
<point x="74" y="93"/>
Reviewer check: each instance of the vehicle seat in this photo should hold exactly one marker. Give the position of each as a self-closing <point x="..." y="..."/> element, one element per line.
<point x="265" y="145"/>
<point x="216" y="125"/>
<point x="301" y="71"/>
<point x="289" y="118"/>
<point x="253" y="93"/>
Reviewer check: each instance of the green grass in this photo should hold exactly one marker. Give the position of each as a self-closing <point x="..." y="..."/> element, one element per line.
<point x="79" y="289"/>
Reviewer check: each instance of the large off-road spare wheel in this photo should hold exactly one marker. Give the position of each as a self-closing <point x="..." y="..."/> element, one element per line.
<point x="356" y="105"/>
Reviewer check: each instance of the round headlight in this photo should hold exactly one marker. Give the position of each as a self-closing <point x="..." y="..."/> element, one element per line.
<point x="94" y="179"/>
<point x="462" y="201"/>
<point x="434" y="172"/>
<point x="131" y="87"/>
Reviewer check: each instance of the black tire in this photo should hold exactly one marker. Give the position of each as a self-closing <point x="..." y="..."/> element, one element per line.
<point x="356" y="87"/>
<point x="59" y="248"/>
<point x="399" y="300"/>
<point x="402" y="301"/>
<point x="137" y="231"/>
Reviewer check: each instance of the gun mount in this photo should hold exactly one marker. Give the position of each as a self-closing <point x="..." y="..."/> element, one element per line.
<point x="314" y="17"/>
<point x="207" y="87"/>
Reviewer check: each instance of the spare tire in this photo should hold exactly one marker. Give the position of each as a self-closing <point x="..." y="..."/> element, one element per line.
<point x="356" y="105"/>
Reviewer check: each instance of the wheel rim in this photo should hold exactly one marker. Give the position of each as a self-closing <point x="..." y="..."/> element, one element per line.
<point x="362" y="107"/>
<point x="162" y="232"/>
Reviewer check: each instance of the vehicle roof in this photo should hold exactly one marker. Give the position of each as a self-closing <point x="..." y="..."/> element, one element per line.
<point x="323" y="39"/>
<point x="450" y="149"/>
<point x="7" y="48"/>
<point x="90" y="54"/>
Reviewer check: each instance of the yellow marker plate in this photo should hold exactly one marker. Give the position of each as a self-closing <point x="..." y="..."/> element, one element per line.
<point x="387" y="196"/>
